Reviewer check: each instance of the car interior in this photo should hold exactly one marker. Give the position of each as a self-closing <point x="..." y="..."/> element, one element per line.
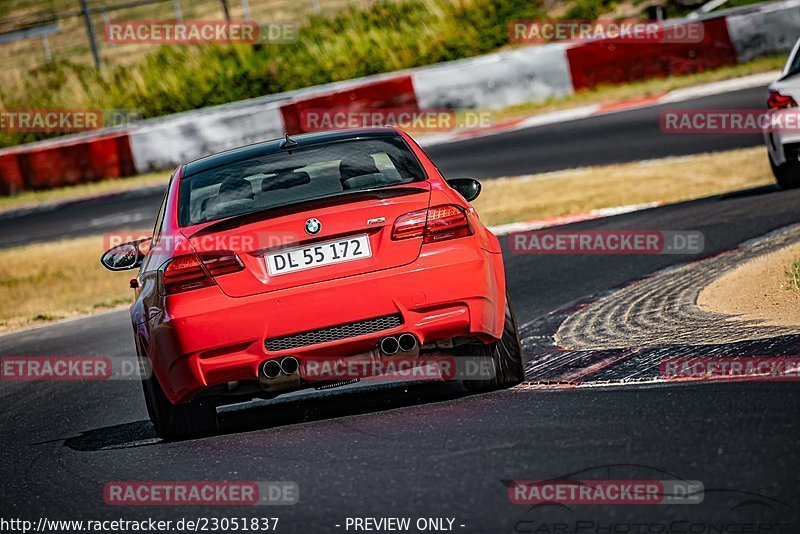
<point x="262" y="183"/>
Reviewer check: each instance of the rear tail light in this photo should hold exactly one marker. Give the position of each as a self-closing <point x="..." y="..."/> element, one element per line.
<point x="778" y="101"/>
<point x="446" y="222"/>
<point x="192" y="271"/>
<point x="219" y="263"/>
<point x="438" y="223"/>
<point x="410" y="225"/>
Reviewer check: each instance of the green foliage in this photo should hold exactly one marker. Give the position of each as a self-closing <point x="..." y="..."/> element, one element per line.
<point x="793" y="276"/>
<point x="590" y="9"/>
<point x="357" y="42"/>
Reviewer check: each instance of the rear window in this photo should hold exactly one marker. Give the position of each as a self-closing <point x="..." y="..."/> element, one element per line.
<point x="794" y="66"/>
<point x="310" y="173"/>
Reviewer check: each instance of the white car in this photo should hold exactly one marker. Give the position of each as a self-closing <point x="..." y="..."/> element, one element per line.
<point x="784" y="147"/>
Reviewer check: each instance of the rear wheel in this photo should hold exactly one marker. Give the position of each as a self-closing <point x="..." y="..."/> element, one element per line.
<point x="787" y="174"/>
<point x="173" y="421"/>
<point x="505" y="355"/>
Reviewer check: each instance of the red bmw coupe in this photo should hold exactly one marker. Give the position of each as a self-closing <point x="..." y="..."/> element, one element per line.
<point x="346" y="243"/>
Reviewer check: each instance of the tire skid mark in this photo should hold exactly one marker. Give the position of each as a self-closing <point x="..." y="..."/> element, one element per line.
<point x="662" y="310"/>
<point x="620" y="336"/>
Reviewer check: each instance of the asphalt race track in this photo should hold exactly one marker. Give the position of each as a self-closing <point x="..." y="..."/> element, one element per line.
<point x="617" y="137"/>
<point x="613" y="138"/>
<point x="429" y="450"/>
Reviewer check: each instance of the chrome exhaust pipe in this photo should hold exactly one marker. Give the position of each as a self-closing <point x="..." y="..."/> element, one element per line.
<point x="389" y="345"/>
<point x="278" y="375"/>
<point x="289" y="365"/>
<point x="271" y="369"/>
<point x="407" y="342"/>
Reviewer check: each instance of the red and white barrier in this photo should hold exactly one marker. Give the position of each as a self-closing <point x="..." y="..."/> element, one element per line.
<point x="492" y="81"/>
<point x="66" y="161"/>
<point x="764" y="29"/>
<point x="165" y="143"/>
<point x="603" y="63"/>
<point x="390" y="92"/>
<point x="496" y="81"/>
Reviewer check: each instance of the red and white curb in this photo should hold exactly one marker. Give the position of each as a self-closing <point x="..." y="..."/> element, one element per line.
<point x="536" y="224"/>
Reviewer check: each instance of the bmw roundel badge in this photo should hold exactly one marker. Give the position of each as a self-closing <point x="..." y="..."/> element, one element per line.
<point x="313" y="226"/>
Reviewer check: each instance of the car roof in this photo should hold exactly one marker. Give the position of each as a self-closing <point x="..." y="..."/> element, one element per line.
<point x="273" y="146"/>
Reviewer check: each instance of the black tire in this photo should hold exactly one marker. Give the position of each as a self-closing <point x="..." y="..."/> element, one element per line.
<point x="787" y="175"/>
<point x="506" y="357"/>
<point x="176" y="421"/>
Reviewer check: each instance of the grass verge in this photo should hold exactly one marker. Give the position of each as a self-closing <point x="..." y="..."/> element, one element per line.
<point x="46" y="282"/>
<point x="764" y="289"/>
<point x="506" y="200"/>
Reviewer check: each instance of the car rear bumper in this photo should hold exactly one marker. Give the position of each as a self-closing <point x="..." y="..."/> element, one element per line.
<point x="205" y="338"/>
<point x="782" y="146"/>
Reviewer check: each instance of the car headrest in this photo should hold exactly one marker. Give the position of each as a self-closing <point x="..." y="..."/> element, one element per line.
<point x="235" y="189"/>
<point x="356" y="165"/>
<point x="286" y="180"/>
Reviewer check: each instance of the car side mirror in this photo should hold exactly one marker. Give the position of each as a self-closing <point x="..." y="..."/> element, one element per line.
<point x="125" y="256"/>
<point x="469" y="188"/>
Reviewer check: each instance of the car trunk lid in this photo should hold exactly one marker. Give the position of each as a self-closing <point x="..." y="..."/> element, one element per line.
<point x="350" y="233"/>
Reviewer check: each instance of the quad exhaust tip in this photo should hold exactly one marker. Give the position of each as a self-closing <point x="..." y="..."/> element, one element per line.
<point x="389" y="345"/>
<point x="407" y="342"/>
<point x="404" y="343"/>
<point x="271" y="369"/>
<point x="289" y="365"/>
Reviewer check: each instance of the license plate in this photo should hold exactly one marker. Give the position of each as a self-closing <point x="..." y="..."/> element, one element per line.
<point x="318" y="255"/>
